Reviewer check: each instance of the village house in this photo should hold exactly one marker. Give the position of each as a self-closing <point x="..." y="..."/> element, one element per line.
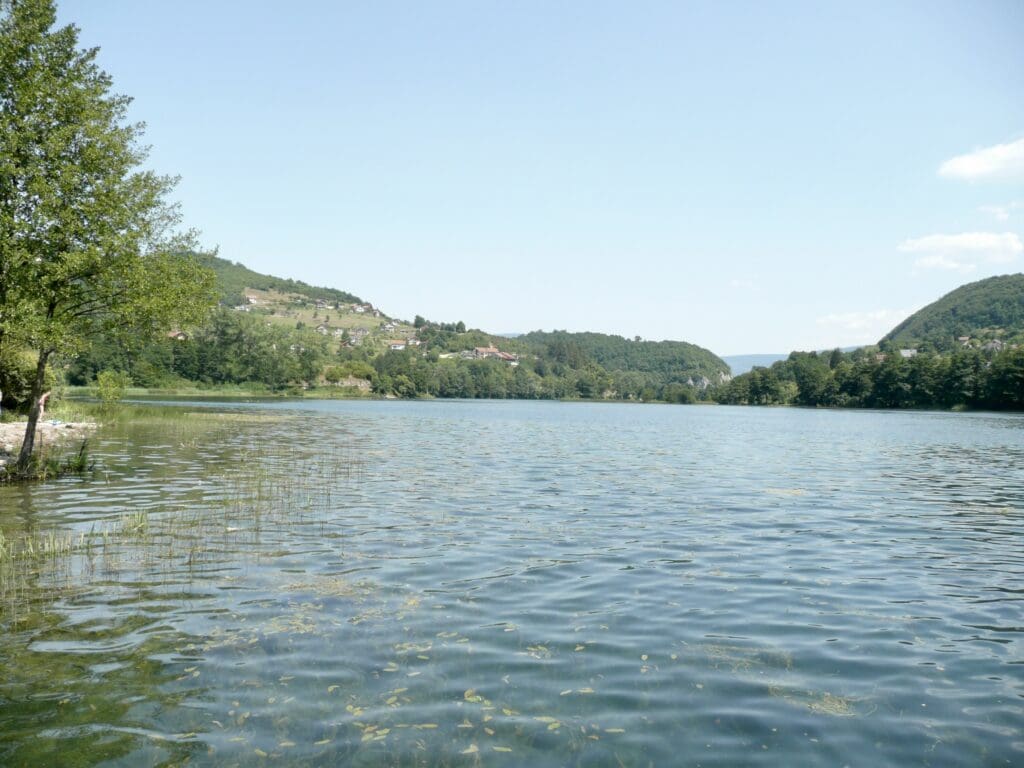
<point x="177" y="335"/>
<point x="481" y="353"/>
<point x="906" y="354"/>
<point x="323" y="330"/>
<point x="397" y="345"/>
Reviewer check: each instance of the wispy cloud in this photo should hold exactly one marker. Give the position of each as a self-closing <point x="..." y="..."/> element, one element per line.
<point x="1002" y="162"/>
<point x="865" y="327"/>
<point x="1002" y="212"/>
<point x="963" y="252"/>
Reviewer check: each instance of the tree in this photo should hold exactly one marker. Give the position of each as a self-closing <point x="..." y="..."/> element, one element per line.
<point x="88" y="246"/>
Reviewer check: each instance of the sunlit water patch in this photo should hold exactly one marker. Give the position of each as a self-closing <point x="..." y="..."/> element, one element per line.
<point x="462" y="583"/>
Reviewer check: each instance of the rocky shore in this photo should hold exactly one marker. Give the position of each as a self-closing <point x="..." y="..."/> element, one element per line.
<point x="49" y="434"/>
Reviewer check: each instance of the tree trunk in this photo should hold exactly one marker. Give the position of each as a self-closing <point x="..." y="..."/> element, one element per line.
<point x="25" y="456"/>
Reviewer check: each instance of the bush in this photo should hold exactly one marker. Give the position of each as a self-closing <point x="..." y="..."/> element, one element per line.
<point x="111" y="386"/>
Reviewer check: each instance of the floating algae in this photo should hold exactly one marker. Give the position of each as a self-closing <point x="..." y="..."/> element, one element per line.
<point x="742" y="659"/>
<point x="819" y="702"/>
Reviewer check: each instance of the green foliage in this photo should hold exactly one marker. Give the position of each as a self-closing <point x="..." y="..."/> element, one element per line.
<point x="356" y="369"/>
<point x="17" y="371"/>
<point x="616" y="353"/>
<point x="111" y="386"/>
<point x="976" y="309"/>
<point x="967" y="378"/>
<point x="89" y="243"/>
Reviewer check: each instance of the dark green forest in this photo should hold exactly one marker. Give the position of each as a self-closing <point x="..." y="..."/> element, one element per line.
<point x="867" y="378"/>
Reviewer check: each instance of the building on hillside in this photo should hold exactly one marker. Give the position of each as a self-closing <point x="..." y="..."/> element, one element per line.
<point x="906" y="354"/>
<point x="322" y="329"/>
<point x="396" y="344"/>
<point x="993" y="346"/>
<point x="177" y="335"/>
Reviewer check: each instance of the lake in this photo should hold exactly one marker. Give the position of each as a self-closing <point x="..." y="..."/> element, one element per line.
<point x="516" y="583"/>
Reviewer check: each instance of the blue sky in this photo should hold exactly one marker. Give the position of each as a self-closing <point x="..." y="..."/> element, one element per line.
<point x="747" y="176"/>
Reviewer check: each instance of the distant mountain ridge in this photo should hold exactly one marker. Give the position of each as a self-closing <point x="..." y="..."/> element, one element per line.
<point x="993" y="307"/>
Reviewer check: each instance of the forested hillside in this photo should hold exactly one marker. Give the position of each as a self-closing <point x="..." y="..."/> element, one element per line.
<point x="275" y="334"/>
<point x="616" y="353"/>
<point x="984" y="310"/>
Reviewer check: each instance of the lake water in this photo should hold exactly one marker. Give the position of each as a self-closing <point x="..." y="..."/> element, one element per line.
<point x="512" y="583"/>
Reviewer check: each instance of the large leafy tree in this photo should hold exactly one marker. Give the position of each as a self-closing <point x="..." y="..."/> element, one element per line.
<point x="89" y="245"/>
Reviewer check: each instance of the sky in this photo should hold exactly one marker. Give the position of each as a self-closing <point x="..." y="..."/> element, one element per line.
<point x="746" y="176"/>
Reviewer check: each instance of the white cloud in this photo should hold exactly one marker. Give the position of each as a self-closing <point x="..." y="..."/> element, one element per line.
<point x="965" y="251"/>
<point x="938" y="261"/>
<point x="1002" y="212"/>
<point x="739" y="284"/>
<point x="1002" y="162"/>
<point x="867" y="327"/>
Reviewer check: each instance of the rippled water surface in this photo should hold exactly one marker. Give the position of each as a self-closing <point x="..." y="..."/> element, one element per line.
<point x="495" y="583"/>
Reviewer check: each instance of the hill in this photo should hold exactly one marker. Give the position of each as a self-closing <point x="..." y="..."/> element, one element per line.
<point x="233" y="278"/>
<point x="677" y="359"/>
<point x="276" y="334"/>
<point x="986" y="309"/>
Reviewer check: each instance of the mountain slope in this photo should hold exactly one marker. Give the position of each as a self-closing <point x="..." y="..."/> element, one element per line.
<point x="994" y="306"/>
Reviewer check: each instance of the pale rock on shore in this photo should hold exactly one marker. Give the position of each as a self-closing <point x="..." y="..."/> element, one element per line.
<point x="48" y="435"/>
